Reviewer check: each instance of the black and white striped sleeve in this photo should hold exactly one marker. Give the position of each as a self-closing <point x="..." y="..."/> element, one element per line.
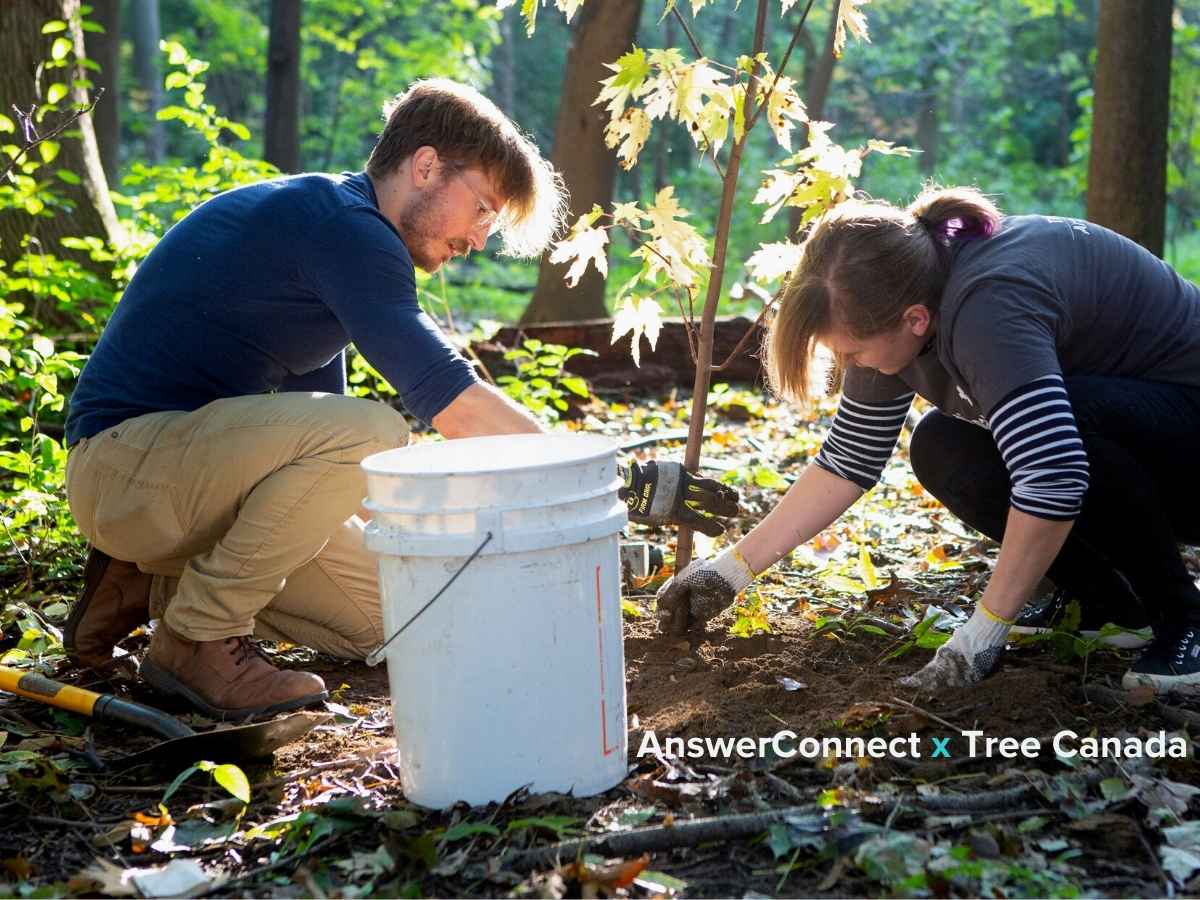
<point x="1034" y="429"/>
<point x="862" y="438"/>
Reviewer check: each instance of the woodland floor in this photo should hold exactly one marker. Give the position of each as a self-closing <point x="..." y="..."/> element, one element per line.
<point x="847" y="616"/>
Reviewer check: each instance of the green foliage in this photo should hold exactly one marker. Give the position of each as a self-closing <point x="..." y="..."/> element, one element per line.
<point x="717" y="102"/>
<point x="557" y="827"/>
<point x="736" y="404"/>
<point x="227" y="775"/>
<point x="911" y="867"/>
<point x="761" y="476"/>
<point x="1183" y="145"/>
<point x="355" y="54"/>
<point x="30" y="186"/>
<point x="168" y="192"/>
<point x="363" y="379"/>
<point x="358" y="53"/>
<point x="542" y="385"/>
<point x="751" y="616"/>
<point x="923" y="635"/>
<point x="41" y="638"/>
<point x="33" y="372"/>
<point x="60" y="297"/>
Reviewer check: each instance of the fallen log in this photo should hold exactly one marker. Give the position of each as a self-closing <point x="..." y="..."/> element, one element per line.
<point x="670" y="363"/>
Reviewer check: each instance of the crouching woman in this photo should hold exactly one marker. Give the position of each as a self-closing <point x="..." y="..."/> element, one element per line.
<point x="1063" y="362"/>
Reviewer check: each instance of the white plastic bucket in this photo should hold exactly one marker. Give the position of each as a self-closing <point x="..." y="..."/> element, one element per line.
<point x="516" y="675"/>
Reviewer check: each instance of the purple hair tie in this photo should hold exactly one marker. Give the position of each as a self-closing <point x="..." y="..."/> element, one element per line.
<point x="957" y="228"/>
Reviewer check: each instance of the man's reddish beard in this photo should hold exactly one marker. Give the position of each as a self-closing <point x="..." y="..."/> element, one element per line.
<point x="423" y="226"/>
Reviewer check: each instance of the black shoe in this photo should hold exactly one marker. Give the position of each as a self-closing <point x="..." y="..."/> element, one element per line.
<point x="1048" y="615"/>
<point x="1171" y="664"/>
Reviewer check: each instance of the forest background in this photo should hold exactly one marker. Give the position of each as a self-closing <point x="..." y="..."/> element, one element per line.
<point x="200" y="96"/>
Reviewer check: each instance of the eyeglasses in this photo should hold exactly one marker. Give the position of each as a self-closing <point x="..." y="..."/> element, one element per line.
<point x="485" y="216"/>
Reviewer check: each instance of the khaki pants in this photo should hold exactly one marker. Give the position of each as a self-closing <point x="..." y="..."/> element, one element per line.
<point x="244" y="512"/>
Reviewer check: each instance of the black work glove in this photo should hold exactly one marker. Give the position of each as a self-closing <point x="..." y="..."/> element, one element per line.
<point x="665" y="493"/>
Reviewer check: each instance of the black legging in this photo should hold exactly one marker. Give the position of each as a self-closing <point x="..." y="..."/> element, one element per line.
<point x="1143" y="445"/>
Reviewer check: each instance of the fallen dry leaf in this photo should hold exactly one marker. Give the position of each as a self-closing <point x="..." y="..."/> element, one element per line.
<point x="605" y="880"/>
<point x="18" y="867"/>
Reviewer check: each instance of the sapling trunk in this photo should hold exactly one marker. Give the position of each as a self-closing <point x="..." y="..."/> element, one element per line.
<point x="683" y="551"/>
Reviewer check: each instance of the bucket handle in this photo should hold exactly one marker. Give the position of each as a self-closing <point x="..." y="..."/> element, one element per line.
<point x="376" y="656"/>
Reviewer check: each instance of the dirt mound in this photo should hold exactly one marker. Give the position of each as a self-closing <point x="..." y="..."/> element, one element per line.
<point x="717" y="685"/>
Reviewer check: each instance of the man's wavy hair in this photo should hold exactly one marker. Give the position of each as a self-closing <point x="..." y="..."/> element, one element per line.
<point x="467" y="129"/>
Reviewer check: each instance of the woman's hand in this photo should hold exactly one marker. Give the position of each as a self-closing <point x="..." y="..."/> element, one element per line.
<point x="707" y="587"/>
<point x="972" y="653"/>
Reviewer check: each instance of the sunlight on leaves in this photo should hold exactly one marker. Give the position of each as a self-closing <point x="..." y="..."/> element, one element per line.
<point x="850" y="18"/>
<point x="773" y="261"/>
<point x="585" y="244"/>
<point x="641" y="317"/>
<point x="866" y="566"/>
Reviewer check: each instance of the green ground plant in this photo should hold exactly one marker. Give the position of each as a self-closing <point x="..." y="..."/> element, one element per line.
<point x="541" y="383"/>
<point x="50" y="307"/>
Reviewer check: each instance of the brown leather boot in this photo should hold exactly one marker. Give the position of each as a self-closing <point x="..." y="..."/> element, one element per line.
<point x="226" y="679"/>
<point x="115" y="600"/>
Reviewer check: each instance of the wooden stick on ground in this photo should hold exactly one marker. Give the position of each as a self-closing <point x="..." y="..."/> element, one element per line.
<point x="659" y="837"/>
<point x="904" y="704"/>
<point x="1172" y="714"/>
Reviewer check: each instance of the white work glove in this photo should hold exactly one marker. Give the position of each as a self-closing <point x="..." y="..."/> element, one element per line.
<point x="971" y="654"/>
<point x="707" y="587"/>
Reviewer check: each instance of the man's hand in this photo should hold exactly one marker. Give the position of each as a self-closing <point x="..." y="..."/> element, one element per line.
<point x="665" y="493"/>
<point x="972" y="653"/>
<point x="706" y="587"/>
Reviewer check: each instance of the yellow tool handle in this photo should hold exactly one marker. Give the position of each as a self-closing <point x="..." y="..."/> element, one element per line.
<point x="47" y="690"/>
<point x="89" y="703"/>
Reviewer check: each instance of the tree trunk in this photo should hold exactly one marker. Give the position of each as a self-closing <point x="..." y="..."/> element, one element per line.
<point x="928" y="131"/>
<point x="816" y="92"/>
<point x="146" y="35"/>
<point x="680" y="617"/>
<point x="105" y="48"/>
<point x="817" y="89"/>
<point x="281" y="142"/>
<point x="1127" y="171"/>
<point x="605" y="30"/>
<point x="506" y="69"/>
<point x="1066" y="100"/>
<point x="23" y="48"/>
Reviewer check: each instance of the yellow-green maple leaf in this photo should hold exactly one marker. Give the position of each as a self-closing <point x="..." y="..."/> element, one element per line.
<point x="849" y="18"/>
<point x="771" y="262"/>
<point x="784" y="108"/>
<point x="659" y="90"/>
<point x="629" y="134"/>
<point x="529" y="10"/>
<point x="675" y="248"/>
<point x="694" y="83"/>
<point x="628" y="81"/>
<point x="712" y="124"/>
<point x="777" y="186"/>
<point x="642" y="316"/>
<point x="583" y="245"/>
<point x="627" y="214"/>
<point x="887" y="148"/>
<point x="568" y="7"/>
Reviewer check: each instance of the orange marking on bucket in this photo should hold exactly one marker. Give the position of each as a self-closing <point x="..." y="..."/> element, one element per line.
<point x="600" y="644"/>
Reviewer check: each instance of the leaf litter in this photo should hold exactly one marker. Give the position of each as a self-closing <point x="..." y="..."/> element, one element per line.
<point x="816" y="650"/>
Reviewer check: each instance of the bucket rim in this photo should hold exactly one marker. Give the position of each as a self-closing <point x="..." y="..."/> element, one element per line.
<point x="605" y="446"/>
